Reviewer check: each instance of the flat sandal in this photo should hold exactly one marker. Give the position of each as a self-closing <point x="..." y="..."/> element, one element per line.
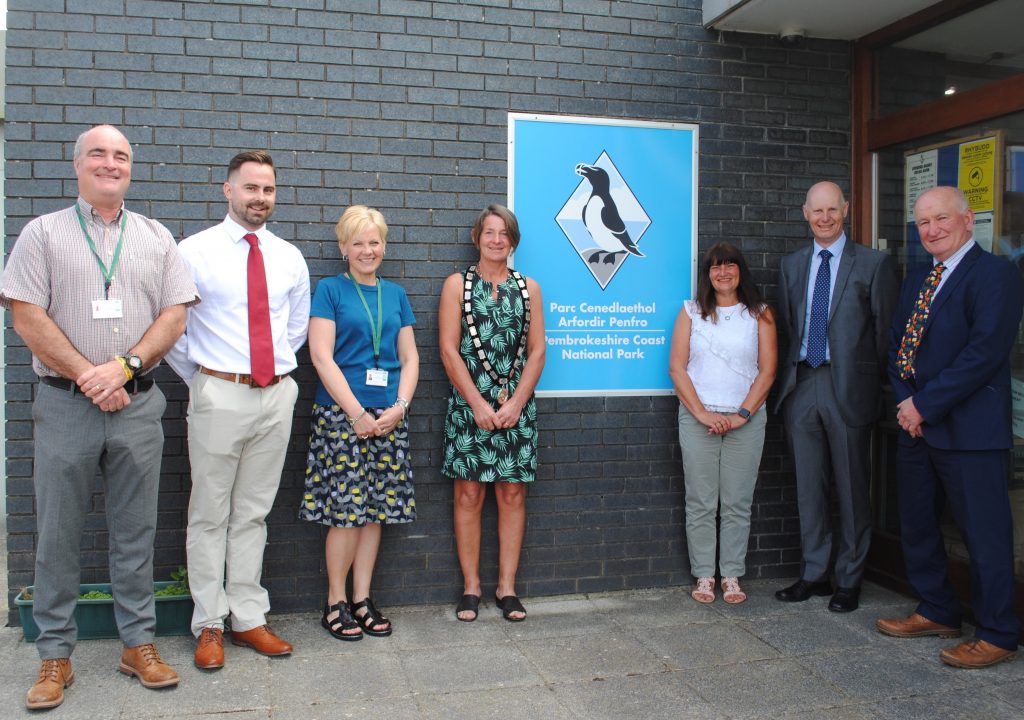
<point x="344" y="621"/>
<point x="370" y="618"/>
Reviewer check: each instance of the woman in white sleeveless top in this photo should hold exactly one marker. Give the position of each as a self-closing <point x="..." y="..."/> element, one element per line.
<point x="722" y="363"/>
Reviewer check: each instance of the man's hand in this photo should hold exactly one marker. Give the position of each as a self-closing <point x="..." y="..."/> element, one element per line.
<point x="100" y="382"/>
<point x="909" y="418"/>
<point x="118" y="400"/>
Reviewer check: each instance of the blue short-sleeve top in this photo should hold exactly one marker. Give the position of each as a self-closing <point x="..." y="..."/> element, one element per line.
<point x="336" y="299"/>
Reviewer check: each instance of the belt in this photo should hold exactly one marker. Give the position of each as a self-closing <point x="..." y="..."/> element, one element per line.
<point x="807" y="366"/>
<point x="239" y="377"/>
<point x="132" y="387"/>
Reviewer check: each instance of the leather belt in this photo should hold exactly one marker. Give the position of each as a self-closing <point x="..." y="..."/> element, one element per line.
<point x="132" y="387"/>
<point x="239" y="378"/>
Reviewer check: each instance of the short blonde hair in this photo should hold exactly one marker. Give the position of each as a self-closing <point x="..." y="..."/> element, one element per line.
<point x="355" y="219"/>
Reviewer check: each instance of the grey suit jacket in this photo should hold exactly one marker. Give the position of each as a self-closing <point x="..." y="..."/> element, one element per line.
<point x="862" y="305"/>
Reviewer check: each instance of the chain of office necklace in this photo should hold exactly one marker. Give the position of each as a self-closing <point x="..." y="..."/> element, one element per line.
<point x="474" y="334"/>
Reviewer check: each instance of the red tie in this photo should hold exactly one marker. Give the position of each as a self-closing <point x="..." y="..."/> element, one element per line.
<point x="261" y="346"/>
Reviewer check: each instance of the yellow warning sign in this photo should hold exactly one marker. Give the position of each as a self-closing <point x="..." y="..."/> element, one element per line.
<point x="978" y="173"/>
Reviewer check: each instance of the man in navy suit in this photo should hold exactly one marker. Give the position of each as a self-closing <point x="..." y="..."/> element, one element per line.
<point x="950" y="371"/>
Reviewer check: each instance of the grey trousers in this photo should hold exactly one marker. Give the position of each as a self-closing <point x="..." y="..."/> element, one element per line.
<point x="73" y="440"/>
<point x="720" y="472"/>
<point x="826" y="449"/>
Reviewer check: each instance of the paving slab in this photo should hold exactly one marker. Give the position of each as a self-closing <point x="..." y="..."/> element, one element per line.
<point x="654" y="608"/>
<point x="807" y="633"/>
<point x="764" y="689"/>
<point x="498" y="704"/>
<point x="876" y="673"/>
<point x="468" y="667"/>
<point x="652" y="696"/>
<point x="698" y="645"/>
<point x="590" y="656"/>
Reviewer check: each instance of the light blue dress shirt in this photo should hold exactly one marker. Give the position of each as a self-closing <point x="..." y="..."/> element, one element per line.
<point x="951" y="262"/>
<point x="836" y="249"/>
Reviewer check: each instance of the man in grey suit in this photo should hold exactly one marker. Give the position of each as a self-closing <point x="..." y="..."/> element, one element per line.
<point x="836" y="299"/>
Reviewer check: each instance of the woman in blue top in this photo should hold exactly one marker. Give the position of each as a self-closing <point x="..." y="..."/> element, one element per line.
<point x="358" y="475"/>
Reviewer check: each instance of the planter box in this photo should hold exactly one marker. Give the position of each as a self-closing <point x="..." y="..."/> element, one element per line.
<point x="95" y="618"/>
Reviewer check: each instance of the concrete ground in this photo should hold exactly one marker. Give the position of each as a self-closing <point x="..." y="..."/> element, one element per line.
<point x="640" y="655"/>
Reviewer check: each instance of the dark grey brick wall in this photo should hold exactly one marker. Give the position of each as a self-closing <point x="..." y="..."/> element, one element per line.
<point x="403" y="105"/>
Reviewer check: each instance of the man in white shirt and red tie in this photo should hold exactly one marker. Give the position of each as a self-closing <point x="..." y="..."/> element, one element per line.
<point x="235" y="355"/>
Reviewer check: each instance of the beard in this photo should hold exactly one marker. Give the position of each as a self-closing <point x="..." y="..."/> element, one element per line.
<point x="254" y="214"/>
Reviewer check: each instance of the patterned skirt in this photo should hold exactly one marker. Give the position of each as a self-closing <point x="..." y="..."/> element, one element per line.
<point x="352" y="482"/>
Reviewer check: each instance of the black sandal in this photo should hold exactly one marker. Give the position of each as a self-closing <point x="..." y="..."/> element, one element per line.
<point x="344" y="621"/>
<point x="468" y="603"/>
<point x="508" y="605"/>
<point x="370" y="618"/>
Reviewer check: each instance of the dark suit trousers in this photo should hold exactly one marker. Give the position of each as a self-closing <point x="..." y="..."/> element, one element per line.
<point x="975" y="486"/>
<point x="825" y="448"/>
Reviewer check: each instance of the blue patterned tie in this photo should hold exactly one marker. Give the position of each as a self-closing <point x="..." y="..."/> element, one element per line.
<point x="817" y="333"/>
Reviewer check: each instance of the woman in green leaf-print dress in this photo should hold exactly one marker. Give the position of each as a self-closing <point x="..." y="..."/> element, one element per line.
<point x="490" y="432"/>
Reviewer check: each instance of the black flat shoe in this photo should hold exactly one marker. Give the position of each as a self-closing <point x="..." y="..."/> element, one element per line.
<point x="371" y="618"/>
<point x="468" y="603"/>
<point x="802" y="590"/>
<point x="845" y="600"/>
<point x="344" y="621"/>
<point x="508" y="605"/>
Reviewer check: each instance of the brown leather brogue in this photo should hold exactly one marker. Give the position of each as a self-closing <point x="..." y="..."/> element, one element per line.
<point x="263" y="640"/>
<point x="210" y="649"/>
<point x="48" y="691"/>
<point x="144" y="662"/>
<point x="915" y="626"/>
<point x="976" y="653"/>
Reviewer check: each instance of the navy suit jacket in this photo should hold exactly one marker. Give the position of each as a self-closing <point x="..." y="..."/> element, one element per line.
<point x="962" y="382"/>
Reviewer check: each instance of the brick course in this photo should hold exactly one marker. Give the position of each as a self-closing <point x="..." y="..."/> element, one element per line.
<point x="403" y="105"/>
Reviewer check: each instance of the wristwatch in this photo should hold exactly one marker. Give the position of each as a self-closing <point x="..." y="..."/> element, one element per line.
<point x="134" y="363"/>
<point x="743" y="413"/>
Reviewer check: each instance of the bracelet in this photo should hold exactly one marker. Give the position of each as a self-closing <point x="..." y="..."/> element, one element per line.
<point x="128" y="373"/>
<point x="357" y="418"/>
<point x="405" y="406"/>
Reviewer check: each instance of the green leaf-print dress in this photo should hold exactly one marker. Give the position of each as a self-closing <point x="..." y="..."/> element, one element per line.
<point x="470" y="452"/>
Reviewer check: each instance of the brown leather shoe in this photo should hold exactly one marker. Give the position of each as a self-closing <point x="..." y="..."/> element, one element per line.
<point x="915" y="626"/>
<point x="48" y="691"/>
<point x="143" y="661"/>
<point x="263" y="640"/>
<point x="976" y="653"/>
<point x="210" y="649"/>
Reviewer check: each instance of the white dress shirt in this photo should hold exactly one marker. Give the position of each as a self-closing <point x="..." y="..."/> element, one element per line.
<point x="217" y="334"/>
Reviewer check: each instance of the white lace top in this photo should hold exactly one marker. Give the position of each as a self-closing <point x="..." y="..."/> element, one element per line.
<point x="723" y="356"/>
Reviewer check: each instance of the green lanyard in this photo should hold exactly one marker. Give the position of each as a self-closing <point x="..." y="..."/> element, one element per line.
<point x="375" y="328"/>
<point x="108" y="274"/>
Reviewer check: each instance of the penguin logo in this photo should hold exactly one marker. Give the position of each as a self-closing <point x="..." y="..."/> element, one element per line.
<point x="601" y="216"/>
<point x="602" y="219"/>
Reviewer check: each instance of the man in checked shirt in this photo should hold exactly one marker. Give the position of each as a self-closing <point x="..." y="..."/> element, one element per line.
<point x="98" y="293"/>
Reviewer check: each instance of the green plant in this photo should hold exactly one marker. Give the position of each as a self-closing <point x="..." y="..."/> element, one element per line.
<point x="180" y="586"/>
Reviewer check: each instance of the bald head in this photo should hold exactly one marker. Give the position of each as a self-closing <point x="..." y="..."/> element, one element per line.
<point x="825" y="210"/>
<point x="103" y="166"/>
<point x="79" y="141"/>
